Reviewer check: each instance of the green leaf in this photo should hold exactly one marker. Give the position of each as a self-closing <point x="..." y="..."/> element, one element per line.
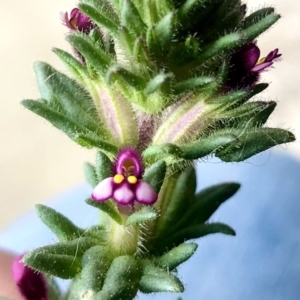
<point x="61" y="226"/>
<point x="62" y="266"/>
<point x="155" y="175"/>
<point x="156" y="280"/>
<point x="107" y="207"/>
<point x="262" y="116"/>
<point x="95" y="263"/>
<point x="116" y="72"/>
<point x="164" y="31"/>
<point x="252" y="114"/>
<point x="253" y="141"/>
<point x="75" y="248"/>
<point x="163" y="151"/>
<point x="103" y="166"/>
<point x="91" y="141"/>
<point x="74" y="101"/>
<point x="69" y="127"/>
<point x="122" y="279"/>
<point x="197" y="231"/>
<point x="206" y="146"/>
<point x="158" y="83"/>
<point x="261" y="26"/>
<point x="90" y="174"/>
<point x="102" y="17"/>
<point x="72" y="63"/>
<point x="193" y="83"/>
<point x="230" y="99"/>
<point x="146" y="214"/>
<point x="178" y="255"/>
<point x="206" y="202"/>
<point x="257" y="16"/>
<point x="95" y="56"/>
<point x="178" y="201"/>
<point x="224" y="43"/>
<point x="130" y="18"/>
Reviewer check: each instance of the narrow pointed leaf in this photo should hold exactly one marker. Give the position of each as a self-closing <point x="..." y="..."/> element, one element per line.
<point x="122" y="279"/>
<point x="206" y="146"/>
<point x="162" y="151"/>
<point x="206" y="202"/>
<point x="69" y="127"/>
<point x="91" y="141"/>
<point x="107" y="207"/>
<point x="257" y="16"/>
<point x="164" y="30"/>
<point x="95" y="263"/>
<point x="182" y="194"/>
<point x="225" y="43"/>
<point x="178" y="255"/>
<point x="146" y="214"/>
<point x="253" y="141"/>
<point x="197" y="231"/>
<point x="90" y="174"/>
<point x="103" y="166"/>
<point x="101" y="17"/>
<point x="158" y="280"/>
<point x="155" y="175"/>
<point x="97" y="57"/>
<point x="131" y="18"/>
<point x="72" y="63"/>
<point x="117" y="71"/>
<point x="192" y="83"/>
<point x="258" y="28"/>
<point x="159" y="82"/>
<point x="62" y="266"/>
<point x="75" y="248"/>
<point x="61" y="226"/>
<point x="74" y="101"/>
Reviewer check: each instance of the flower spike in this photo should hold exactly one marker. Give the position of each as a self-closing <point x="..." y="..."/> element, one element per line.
<point x="126" y="185"/>
<point x="32" y="285"/>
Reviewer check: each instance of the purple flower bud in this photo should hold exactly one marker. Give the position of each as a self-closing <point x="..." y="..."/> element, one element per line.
<point x="245" y="66"/>
<point x="32" y="285"/>
<point x="126" y="185"/>
<point x="78" y="21"/>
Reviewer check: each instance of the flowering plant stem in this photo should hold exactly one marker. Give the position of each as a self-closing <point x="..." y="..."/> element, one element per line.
<point x="156" y="86"/>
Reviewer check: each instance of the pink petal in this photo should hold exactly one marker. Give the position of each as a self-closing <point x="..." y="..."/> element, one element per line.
<point x="134" y="156"/>
<point x="251" y="56"/>
<point x="123" y="194"/>
<point x="145" y="193"/>
<point x="261" y="67"/>
<point x="104" y="190"/>
<point x="272" y="55"/>
<point x="31" y="284"/>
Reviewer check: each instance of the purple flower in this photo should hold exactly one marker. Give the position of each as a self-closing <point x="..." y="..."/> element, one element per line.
<point x="32" y="285"/>
<point x="126" y="185"/>
<point x="245" y="66"/>
<point x="78" y="21"/>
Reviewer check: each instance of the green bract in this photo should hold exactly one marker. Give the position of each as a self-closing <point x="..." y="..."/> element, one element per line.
<point x="155" y="76"/>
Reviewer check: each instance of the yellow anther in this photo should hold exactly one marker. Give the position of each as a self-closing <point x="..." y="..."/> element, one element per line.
<point x="261" y="61"/>
<point x="132" y="179"/>
<point x="118" y="178"/>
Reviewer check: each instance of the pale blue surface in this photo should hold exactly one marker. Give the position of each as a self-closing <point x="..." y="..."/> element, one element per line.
<point x="261" y="263"/>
